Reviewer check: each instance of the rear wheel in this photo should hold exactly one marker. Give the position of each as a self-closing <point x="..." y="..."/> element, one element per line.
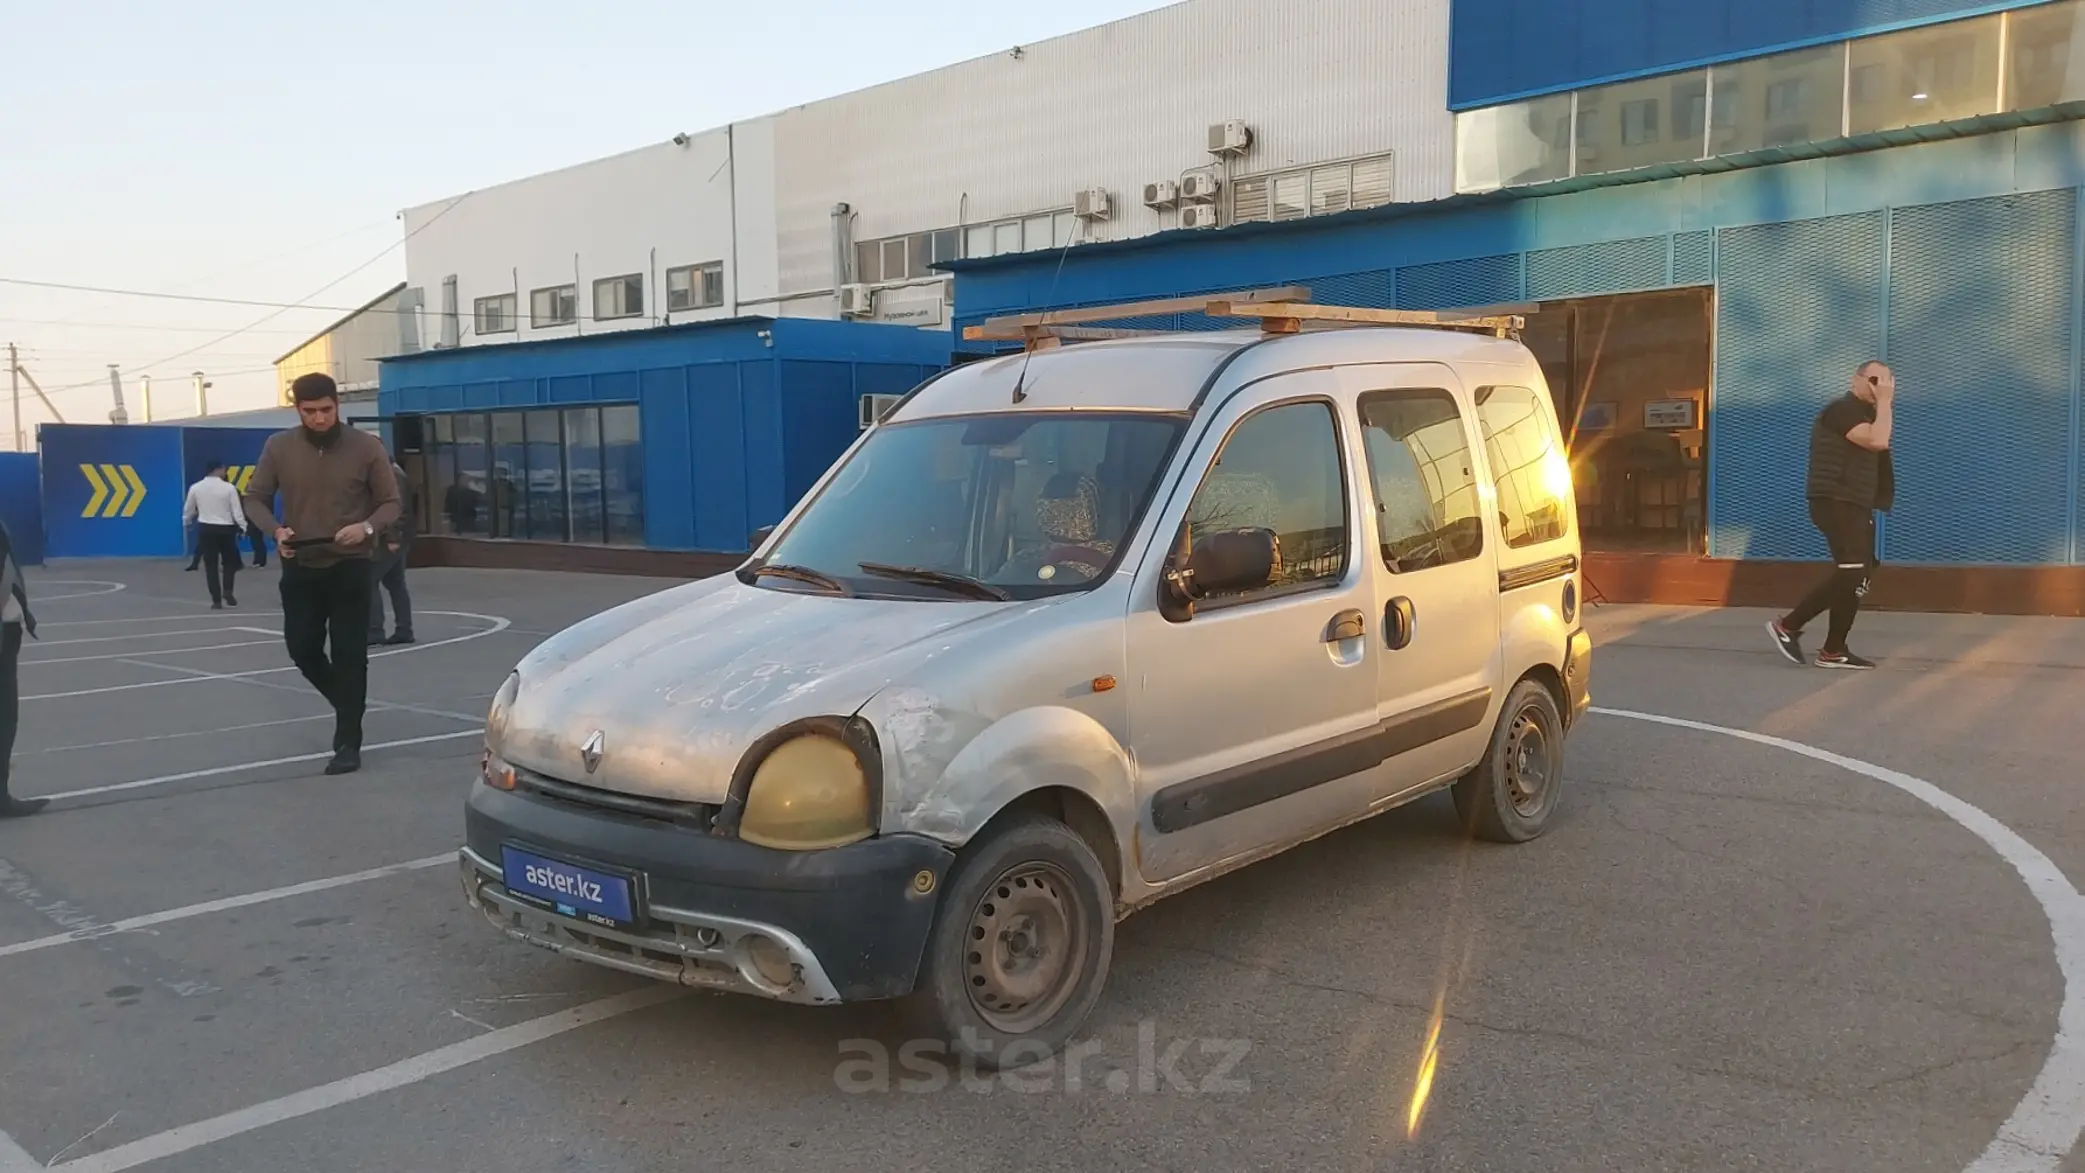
<point x="1020" y="949"/>
<point x="1512" y="794"/>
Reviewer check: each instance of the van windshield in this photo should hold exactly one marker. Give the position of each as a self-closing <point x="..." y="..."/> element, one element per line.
<point x="1016" y="506"/>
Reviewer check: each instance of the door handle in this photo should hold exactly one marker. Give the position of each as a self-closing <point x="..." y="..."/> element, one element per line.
<point x="1400" y="623"/>
<point x="1349" y="624"/>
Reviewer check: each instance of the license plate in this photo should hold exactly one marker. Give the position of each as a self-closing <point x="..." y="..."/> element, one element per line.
<point x="586" y="893"/>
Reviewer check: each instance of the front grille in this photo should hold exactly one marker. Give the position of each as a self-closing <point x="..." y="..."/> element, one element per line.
<point x="695" y="815"/>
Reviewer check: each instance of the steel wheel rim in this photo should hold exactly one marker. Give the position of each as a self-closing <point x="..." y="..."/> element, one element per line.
<point x="1025" y="947"/>
<point x="1530" y="762"/>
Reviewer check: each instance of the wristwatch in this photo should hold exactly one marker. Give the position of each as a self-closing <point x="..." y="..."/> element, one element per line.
<point x="368" y="530"/>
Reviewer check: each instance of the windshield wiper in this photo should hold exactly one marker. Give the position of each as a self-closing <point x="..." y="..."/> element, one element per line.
<point x="940" y="578"/>
<point x="800" y="574"/>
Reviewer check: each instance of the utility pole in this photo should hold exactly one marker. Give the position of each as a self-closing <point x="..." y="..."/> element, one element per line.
<point x="202" y="404"/>
<point x="14" y="377"/>
<point x="117" y="415"/>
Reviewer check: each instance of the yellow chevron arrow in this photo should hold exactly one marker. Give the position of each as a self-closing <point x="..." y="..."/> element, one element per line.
<point x="137" y="490"/>
<point x="118" y="491"/>
<point x="101" y="491"/>
<point x="242" y="475"/>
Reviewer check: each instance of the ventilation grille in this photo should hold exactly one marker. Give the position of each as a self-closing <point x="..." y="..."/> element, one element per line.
<point x="1448" y="284"/>
<point x="1797" y="311"/>
<point x="1694" y="258"/>
<point x="1980" y="339"/>
<point x="1617" y="266"/>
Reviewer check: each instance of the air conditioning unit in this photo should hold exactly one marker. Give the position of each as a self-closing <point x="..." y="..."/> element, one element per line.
<point x="1093" y="204"/>
<point x="1230" y="138"/>
<point x="1198" y="216"/>
<point x="1199" y="187"/>
<point x="1162" y="194"/>
<point x="875" y="407"/>
<point x="857" y="301"/>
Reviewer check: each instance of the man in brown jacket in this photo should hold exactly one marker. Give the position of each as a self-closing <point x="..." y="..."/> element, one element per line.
<point x="338" y="494"/>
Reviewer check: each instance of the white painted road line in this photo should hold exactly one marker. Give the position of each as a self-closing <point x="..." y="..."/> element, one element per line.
<point x="246" y="643"/>
<point x="116" y="639"/>
<point x="226" y="904"/>
<point x="498" y="623"/>
<point x="369" y="1083"/>
<point x="2045" y="1126"/>
<point x="299" y="689"/>
<point x="108" y="588"/>
<point x="14" y="1159"/>
<point x="188" y="618"/>
<point x="216" y="771"/>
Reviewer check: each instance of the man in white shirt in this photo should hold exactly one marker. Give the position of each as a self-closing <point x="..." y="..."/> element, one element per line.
<point x="217" y="513"/>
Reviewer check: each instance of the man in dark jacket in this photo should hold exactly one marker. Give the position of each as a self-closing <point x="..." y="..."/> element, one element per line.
<point x="338" y="494"/>
<point x="1851" y="476"/>
<point x="388" y="571"/>
<point x="15" y="619"/>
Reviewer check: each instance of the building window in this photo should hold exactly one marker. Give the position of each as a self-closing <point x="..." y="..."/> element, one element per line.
<point x="1031" y="233"/>
<point x="695" y="287"/>
<point x="495" y="315"/>
<point x="556" y="306"/>
<point x="1313" y="191"/>
<point x="905" y="258"/>
<point x="619" y="297"/>
<point x="2040" y="47"/>
<point x="541" y="474"/>
<point x="1639" y="122"/>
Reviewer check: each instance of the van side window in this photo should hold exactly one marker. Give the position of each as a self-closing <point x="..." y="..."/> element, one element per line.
<point x="1528" y="465"/>
<point x="1280" y="470"/>
<point x="1425" y="479"/>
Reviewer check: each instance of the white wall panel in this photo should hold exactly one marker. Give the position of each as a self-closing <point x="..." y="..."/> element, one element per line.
<point x="1118" y="106"/>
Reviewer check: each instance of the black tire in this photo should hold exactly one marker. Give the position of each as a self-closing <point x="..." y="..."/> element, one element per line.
<point x="1511" y="796"/>
<point x="1033" y="889"/>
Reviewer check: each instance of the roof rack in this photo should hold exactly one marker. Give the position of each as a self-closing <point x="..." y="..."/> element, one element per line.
<point x="1284" y="310"/>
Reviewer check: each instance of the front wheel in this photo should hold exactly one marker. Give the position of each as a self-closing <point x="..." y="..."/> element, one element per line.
<point x="1020" y="949"/>
<point x="1512" y="794"/>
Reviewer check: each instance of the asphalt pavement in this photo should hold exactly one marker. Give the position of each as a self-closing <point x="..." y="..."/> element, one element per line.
<point x="1827" y="946"/>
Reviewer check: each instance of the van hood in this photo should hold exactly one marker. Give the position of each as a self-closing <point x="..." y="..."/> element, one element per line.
<point x="679" y="684"/>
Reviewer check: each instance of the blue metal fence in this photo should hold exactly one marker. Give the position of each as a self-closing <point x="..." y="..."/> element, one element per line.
<point x="21" y="505"/>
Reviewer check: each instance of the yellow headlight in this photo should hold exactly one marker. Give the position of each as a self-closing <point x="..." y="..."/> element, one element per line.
<point x="808" y="793"/>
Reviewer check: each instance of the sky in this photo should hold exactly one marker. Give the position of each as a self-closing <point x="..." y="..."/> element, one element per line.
<point x="263" y="151"/>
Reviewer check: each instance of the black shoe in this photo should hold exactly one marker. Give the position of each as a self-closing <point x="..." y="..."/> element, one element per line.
<point x="403" y="637"/>
<point x="217" y="606"/>
<point x="1788" y="643"/>
<point x="230" y="601"/>
<point x="21" y="808"/>
<point x="346" y="760"/>
<point x="1843" y="660"/>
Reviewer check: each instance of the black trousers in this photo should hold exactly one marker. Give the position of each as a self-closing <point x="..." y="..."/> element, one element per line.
<point x="387" y="576"/>
<point x="324" y="606"/>
<point x="1849" y="532"/>
<point x="218" y="547"/>
<point x="10" y="696"/>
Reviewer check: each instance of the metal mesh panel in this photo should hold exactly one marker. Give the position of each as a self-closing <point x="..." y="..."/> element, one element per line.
<point x="1370" y="289"/>
<point x="1694" y="258"/>
<point x="1799" y="306"/>
<point x="1980" y="339"/>
<point x="1614" y="266"/>
<point x="1447" y="284"/>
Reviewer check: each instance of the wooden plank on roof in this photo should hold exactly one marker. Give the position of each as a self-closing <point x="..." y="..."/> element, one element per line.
<point x="1139" y="309"/>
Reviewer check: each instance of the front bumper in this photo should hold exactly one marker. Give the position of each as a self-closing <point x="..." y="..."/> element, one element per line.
<point x="1578" y="672"/>
<point x="852" y="921"/>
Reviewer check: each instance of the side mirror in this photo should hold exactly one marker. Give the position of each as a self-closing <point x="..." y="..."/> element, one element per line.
<point x="1234" y="560"/>
<point x="761" y="535"/>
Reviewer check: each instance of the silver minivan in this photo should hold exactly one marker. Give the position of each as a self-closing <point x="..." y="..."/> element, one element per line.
<point x="1066" y="632"/>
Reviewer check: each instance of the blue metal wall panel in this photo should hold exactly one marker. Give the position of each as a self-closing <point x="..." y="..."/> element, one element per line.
<point x="767" y="497"/>
<point x="1800" y="307"/>
<point x="92" y="504"/>
<point x="721" y="457"/>
<point x="1373" y="288"/>
<point x="1502" y="50"/>
<point x="21" y="505"/>
<point x="1694" y="258"/>
<point x="1616" y="266"/>
<point x="1980" y="338"/>
<point x="608" y="387"/>
<point x="669" y="465"/>
<point x="238" y="448"/>
<point x="1449" y="284"/>
<point x="822" y="419"/>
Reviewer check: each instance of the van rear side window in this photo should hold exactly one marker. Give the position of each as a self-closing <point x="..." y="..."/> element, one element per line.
<point x="1532" y="474"/>
<point x="1425" y="479"/>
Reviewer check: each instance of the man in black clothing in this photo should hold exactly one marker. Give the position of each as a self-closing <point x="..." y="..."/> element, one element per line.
<point x="16" y="619"/>
<point x="1851" y="476"/>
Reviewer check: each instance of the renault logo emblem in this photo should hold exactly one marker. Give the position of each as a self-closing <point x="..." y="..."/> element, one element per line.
<point x="590" y="751"/>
